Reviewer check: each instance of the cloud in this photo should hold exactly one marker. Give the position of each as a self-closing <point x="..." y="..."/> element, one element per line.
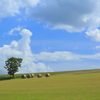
<point x="97" y="47"/>
<point x="69" y="15"/>
<point x="21" y="49"/>
<point x="36" y="62"/>
<point x="12" y="7"/>
<point x="56" y="56"/>
<point x="65" y="56"/>
<point x="94" y="34"/>
<point x="12" y="31"/>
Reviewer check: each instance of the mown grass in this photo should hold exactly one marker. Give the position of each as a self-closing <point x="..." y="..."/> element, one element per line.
<point x="7" y="77"/>
<point x="57" y="87"/>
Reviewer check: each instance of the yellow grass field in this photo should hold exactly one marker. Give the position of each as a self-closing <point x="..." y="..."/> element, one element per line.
<point x="55" y="87"/>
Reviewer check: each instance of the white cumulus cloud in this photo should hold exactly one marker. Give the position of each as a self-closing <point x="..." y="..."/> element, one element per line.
<point x="21" y="49"/>
<point x="97" y="47"/>
<point x="73" y="16"/>
<point x="12" y="7"/>
<point x="94" y="34"/>
<point x="69" y="15"/>
<point x="36" y="62"/>
<point x="65" y="56"/>
<point x="56" y="56"/>
<point x="12" y="31"/>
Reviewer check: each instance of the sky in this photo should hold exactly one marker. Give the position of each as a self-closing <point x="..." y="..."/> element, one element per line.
<point x="50" y="35"/>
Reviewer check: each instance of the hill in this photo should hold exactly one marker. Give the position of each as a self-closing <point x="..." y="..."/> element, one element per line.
<point x="75" y="85"/>
<point x="6" y="77"/>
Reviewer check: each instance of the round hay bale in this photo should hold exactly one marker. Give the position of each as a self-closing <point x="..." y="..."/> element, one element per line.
<point x="32" y="75"/>
<point x="28" y="76"/>
<point x="23" y="76"/>
<point x="39" y="75"/>
<point x="47" y="75"/>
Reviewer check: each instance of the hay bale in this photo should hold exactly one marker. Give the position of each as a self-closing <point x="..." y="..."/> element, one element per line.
<point x="32" y="75"/>
<point x="39" y="75"/>
<point x="23" y="76"/>
<point x="29" y="76"/>
<point x="47" y="75"/>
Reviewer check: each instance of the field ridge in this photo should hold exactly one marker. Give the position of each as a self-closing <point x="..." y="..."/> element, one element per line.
<point x="7" y="77"/>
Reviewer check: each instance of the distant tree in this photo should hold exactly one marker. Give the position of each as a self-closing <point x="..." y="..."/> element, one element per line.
<point x="12" y="65"/>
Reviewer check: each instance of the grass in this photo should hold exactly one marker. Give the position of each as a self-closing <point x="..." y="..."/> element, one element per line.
<point x="7" y="77"/>
<point x="60" y="86"/>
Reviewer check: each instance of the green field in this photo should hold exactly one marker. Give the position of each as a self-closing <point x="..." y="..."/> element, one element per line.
<point x="59" y="86"/>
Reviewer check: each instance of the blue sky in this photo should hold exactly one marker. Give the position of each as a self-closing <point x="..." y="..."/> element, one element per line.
<point x="50" y="35"/>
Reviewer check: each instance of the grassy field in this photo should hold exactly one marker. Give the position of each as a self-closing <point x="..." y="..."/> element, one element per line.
<point x="60" y="86"/>
<point x="7" y="77"/>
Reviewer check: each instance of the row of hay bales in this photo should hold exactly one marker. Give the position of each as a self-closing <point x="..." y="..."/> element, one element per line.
<point x="32" y="75"/>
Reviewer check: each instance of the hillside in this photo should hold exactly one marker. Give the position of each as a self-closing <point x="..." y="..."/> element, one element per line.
<point x="4" y="77"/>
<point x="59" y="86"/>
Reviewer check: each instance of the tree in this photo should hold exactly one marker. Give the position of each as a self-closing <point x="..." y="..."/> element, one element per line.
<point x="12" y="65"/>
